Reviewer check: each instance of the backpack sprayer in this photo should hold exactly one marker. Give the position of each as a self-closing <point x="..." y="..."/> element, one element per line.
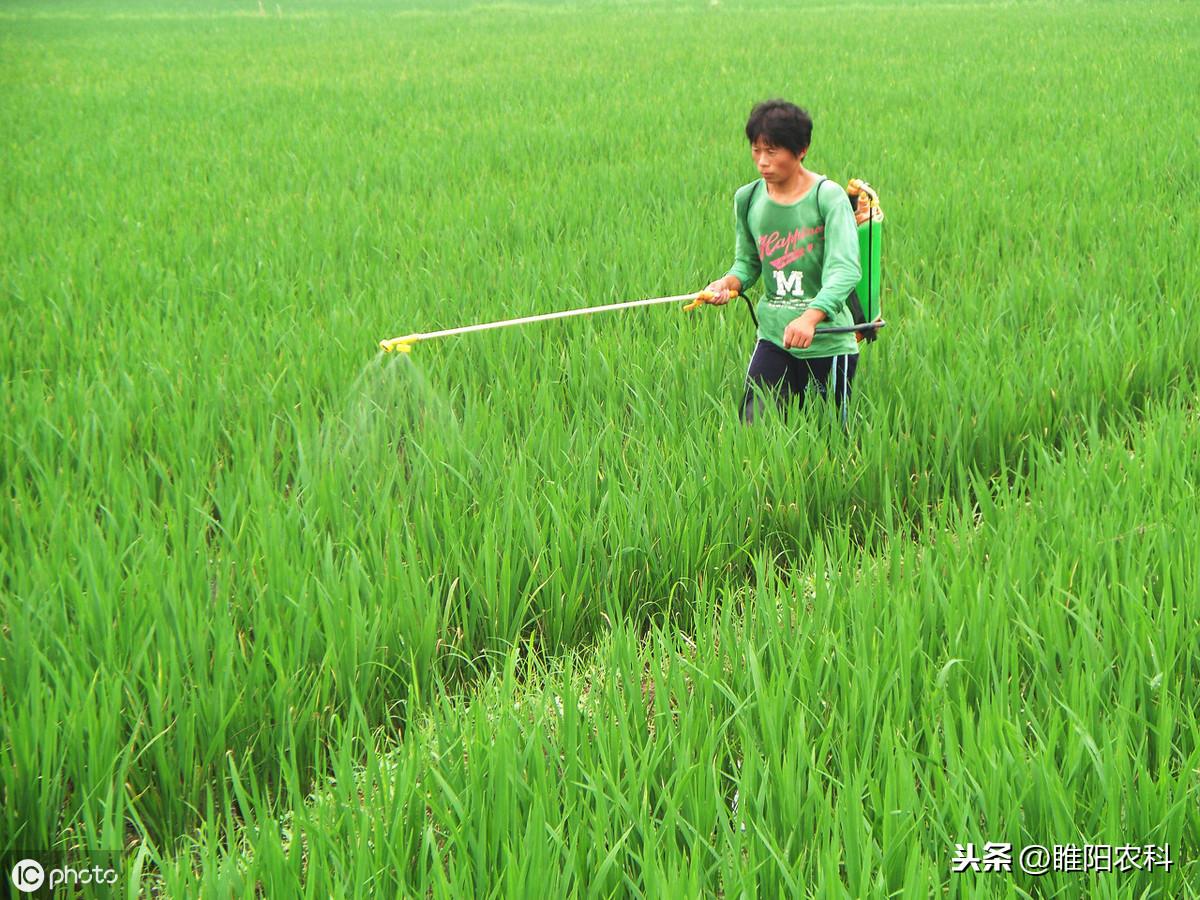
<point x="866" y="325"/>
<point x="869" y="217"/>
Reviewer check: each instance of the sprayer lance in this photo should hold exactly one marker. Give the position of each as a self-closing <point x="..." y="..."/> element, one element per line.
<point x="404" y="344"/>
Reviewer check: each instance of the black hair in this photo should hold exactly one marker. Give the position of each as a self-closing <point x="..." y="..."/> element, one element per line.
<point x="780" y="123"/>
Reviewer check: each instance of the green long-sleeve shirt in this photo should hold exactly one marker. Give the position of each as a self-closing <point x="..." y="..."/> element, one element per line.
<point x="808" y="262"/>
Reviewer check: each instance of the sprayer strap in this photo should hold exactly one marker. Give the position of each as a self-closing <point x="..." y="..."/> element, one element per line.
<point x="745" y="214"/>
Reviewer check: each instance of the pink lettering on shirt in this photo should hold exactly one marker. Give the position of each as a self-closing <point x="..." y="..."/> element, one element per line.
<point x="791" y="256"/>
<point x="770" y="244"/>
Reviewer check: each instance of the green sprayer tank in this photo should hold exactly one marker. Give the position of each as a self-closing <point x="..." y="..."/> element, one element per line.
<point x="870" y="242"/>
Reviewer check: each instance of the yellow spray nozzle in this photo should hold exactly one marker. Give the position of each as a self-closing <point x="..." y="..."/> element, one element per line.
<point x="400" y="344"/>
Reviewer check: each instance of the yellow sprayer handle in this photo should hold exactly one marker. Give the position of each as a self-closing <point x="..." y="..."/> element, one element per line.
<point x="705" y="297"/>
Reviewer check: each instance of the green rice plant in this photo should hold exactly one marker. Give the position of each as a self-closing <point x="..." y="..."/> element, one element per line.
<point x="1020" y="674"/>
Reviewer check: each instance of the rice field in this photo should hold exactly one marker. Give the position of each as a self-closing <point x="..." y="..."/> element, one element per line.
<point x="529" y="610"/>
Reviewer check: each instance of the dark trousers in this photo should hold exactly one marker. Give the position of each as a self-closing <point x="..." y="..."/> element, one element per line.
<point x="776" y="372"/>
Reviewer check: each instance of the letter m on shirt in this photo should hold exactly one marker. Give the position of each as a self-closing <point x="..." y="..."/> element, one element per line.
<point x="789" y="283"/>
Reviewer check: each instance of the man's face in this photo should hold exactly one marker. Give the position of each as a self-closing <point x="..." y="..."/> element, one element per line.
<point x="774" y="163"/>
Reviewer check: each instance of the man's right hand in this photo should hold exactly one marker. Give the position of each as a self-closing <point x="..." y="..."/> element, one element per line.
<point x="720" y="290"/>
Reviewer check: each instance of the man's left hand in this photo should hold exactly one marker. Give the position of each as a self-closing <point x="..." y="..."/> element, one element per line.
<point x="799" y="331"/>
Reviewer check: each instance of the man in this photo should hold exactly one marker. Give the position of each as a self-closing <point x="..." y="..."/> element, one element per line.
<point x="804" y="232"/>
